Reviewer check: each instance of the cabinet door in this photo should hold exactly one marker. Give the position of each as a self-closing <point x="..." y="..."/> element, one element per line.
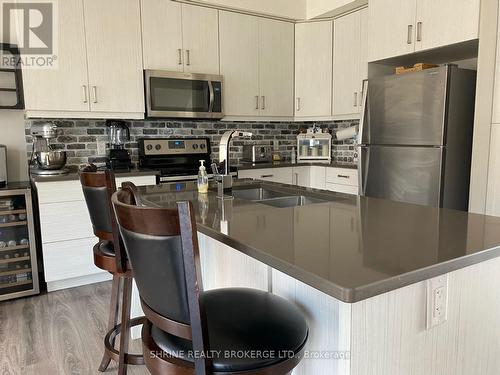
<point x="276" y="41"/>
<point x="444" y="22"/>
<point x="239" y="63"/>
<point x="113" y="32"/>
<point x="346" y="64"/>
<point x="200" y="38"/>
<point x="363" y="57"/>
<point x="162" y="35"/>
<point x="65" y="87"/>
<point x="301" y="176"/>
<point x="313" y="69"/>
<point x="493" y="198"/>
<point x="391" y="28"/>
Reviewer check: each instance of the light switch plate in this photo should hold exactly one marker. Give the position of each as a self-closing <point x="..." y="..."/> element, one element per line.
<point x="437" y="301"/>
<point x="101" y="148"/>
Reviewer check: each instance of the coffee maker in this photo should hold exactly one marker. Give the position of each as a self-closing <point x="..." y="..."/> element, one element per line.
<point x="118" y="135"/>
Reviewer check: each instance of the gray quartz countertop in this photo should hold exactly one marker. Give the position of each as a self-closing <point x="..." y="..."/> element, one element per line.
<point x="351" y="248"/>
<point x="74" y="176"/>
<point x="284" y="164"/>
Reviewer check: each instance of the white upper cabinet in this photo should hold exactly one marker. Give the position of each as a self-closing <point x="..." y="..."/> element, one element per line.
<point x="276" y="40"/>
<point x="180" y="37"/>
<point x="99" y="72"/>
<point x="162" y="35"/>
<point x="256" y="61"/>
<point x="114" y="55"/>
<point x="64" y="88"/>
<point x="350" y="66"/>
<point x="313" y="69"/>
<point x="239" y="63"/>
<point x="399" y="27"/>
<point x="445" y="22"/>
<point x="391" y="28"/>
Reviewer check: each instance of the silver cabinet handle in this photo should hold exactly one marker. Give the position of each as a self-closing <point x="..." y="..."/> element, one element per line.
<point x="343" y="176"/>
<point x="298" y="104"/>
<point x="355" y="98"/>
<point x="179" y="52"/>
<point x="410" y="34"/>
<point x="419" y="31"/>
<point x="257" y="102"/>
<point x="296" y="178"/>
<point x="263" y="102"/>
<point x="94" y="94"/>
<point x="188" y="57"/>
<point x="267" y="176"/>
<point x="85" y="94"/>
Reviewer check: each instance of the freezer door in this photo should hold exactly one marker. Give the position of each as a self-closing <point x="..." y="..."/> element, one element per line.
<point x="404" y="174"/>
<point x="407" y="109"/>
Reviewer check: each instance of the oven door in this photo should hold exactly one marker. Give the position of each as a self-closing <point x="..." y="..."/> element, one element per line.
<point x="174" y="94"/>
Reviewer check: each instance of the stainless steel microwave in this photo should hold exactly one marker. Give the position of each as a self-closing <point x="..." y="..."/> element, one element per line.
<point x="188" y="95"/>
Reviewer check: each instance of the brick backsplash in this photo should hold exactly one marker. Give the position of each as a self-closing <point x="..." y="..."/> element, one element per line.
<point x="79" y="137"/>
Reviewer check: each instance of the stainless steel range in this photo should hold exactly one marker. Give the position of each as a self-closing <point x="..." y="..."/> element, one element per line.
<point x="177" y="159"/>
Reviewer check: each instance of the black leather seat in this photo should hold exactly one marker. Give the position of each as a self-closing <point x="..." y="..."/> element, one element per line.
<point x="243" y="320"/>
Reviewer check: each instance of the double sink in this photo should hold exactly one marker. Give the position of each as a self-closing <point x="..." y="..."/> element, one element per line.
<point x="274" y="198"/>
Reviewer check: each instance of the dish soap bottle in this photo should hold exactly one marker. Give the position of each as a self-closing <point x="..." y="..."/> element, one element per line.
<point x="202" y="178"/>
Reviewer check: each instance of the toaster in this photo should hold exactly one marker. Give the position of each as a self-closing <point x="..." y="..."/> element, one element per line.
<point x="257" y="153"/>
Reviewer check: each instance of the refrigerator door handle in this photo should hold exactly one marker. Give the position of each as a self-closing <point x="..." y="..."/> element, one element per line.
<point x="364" y="107"/>
<point x="363" y="159"/>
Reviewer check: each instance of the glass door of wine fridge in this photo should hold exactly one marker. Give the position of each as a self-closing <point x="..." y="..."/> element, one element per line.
<point x="18" y="263"/>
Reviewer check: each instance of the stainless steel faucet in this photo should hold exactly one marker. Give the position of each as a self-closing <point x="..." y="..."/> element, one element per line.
<point x="223" y="177"/>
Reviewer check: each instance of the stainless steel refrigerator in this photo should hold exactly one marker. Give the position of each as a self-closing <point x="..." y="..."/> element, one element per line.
<point x="415" y="140"/>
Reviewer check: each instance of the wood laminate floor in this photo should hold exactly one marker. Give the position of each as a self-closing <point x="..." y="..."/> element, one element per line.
<point x="57" y="333"/>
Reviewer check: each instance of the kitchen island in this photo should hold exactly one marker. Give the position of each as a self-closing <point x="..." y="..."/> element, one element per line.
<point x="359" y="268"/>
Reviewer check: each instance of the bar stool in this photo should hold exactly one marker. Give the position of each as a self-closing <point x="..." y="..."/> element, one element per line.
<point x="239" y="330"/>
<point x="108" y="255"/>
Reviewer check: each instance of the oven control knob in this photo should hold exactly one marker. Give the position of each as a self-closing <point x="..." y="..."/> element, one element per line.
<point x="195" y="146"/>
<point x="158" y="147"/>
<point x="202" y="146"/>
<point x="149" y="147"/>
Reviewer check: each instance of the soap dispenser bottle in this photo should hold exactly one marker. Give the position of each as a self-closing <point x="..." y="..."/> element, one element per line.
<point x="202" y="178"/>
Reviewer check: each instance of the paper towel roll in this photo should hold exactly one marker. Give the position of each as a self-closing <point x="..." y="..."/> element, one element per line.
<point x="346" y="133"/>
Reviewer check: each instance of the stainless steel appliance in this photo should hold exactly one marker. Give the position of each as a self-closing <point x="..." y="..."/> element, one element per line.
<point x="44" y="159"/>
<point x="3" y="166"/>
<point x="416" y="137"/>
<point x="175" y="94"/>
<point x="118" y="135"/>
<point x="176" y="159"/>
<point x="257" y="153"/>
<point x="314" y="146"/>
<point x="18" y="263"/>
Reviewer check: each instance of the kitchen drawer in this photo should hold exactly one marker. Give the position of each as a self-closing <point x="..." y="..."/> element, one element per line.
<point x="68" y="191"/>
<point x="64" y="221"/>
<point x="68" y="259"/>
<point x="281" y="175"/>
<point x="342" y="176"/>
<point x="339" y="188"/>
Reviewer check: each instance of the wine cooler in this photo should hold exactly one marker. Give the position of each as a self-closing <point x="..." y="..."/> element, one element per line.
<point x="18" y="263"/>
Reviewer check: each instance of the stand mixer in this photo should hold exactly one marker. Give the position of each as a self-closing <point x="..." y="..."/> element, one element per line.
<point x="45" y="161"/>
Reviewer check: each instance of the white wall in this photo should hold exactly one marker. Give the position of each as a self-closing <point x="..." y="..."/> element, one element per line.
<point x="329" y="8"/>
<point x="12" y="135"/>
<point x="295" y="9"/>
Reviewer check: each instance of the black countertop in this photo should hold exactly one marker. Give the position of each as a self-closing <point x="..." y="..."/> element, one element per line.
<point x="284" y="164"/>
<point x="348" y="247"/>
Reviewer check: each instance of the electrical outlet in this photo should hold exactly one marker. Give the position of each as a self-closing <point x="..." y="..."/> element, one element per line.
<point x="101" y="148"/>
<point x="437" y="301"/>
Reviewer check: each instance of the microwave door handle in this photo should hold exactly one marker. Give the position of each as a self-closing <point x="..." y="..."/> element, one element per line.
<point x="212" y="96"/>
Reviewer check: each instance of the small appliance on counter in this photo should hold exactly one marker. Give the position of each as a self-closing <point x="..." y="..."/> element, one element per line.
<point x="118" y="135"/>
<point x="45" y="161"/>
<point x="3" y="166"/>
<point x="18" y="261"/>
<point x="314" y="147"/>
<point x="257" y="153"/>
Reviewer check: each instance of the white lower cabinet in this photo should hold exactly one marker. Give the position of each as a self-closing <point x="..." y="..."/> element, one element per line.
<point x="341" y="180"/>
<point x="66" y="233"/>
